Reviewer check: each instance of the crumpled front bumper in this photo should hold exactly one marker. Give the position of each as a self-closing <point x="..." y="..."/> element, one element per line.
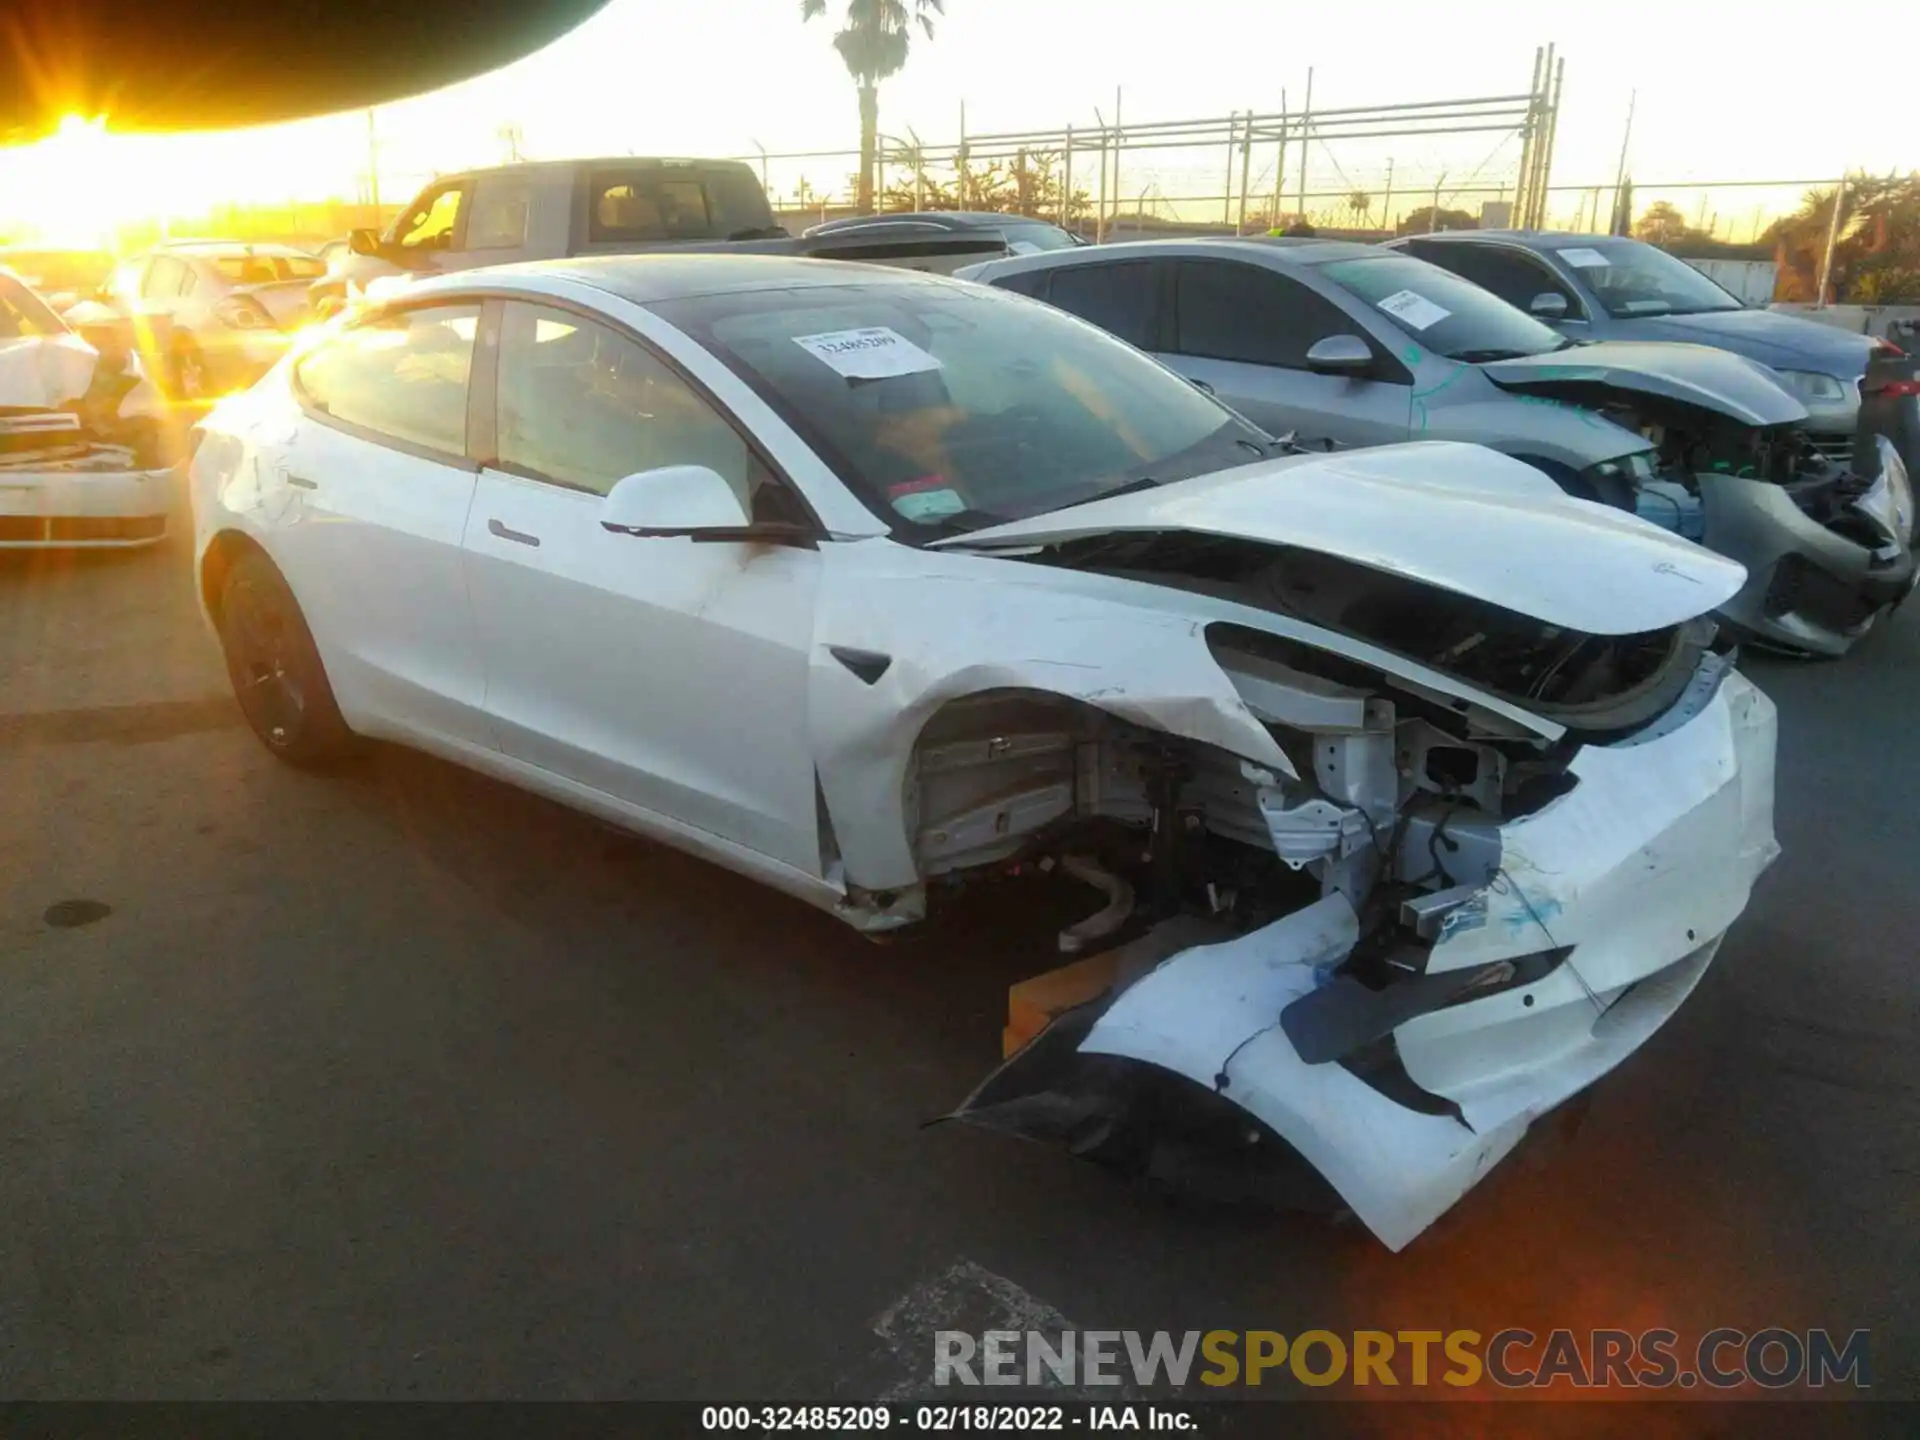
<point x="1808" y="589"/>
<point x="94" y="501"/>
<point x="1640" y="870"/>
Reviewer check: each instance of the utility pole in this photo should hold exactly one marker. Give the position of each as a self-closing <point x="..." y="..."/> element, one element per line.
<point x="1833" y="234"/>
<point x="1433" y="215"/>
<point x="1306" y="142"/>
<point x="1529" y="139"/>
<point x="373" y="168"/>
<point x="1100" y="201"/>
<point x="960" y="157"/>
<point x="1386" y="209"/>
<point x="1233" y="134"/>
<point x="1116" y="152"/>
<point x="1620" y="174"/>
<point x="1246" y="161"/>
<point x="1066" y="185"/>
<point x="1280" y="163"/>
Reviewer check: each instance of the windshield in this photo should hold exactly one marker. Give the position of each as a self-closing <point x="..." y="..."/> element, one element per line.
<point x="1448" y="315"/>
<point x="57" y="272"/>
<point x="949" y="408"/>
<point x="1033" y="237"/>
<point x="1629" y="277"/>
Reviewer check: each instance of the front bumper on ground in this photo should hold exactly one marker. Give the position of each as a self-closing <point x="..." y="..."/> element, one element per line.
<point x="1808" y="589"/>
<point x="72" y="506"/>
<point x="1637" y="872"/>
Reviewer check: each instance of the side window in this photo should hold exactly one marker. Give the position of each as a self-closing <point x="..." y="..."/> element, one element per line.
<point x="430" y="224"/>
<point x="498" y="220"/>
<point x="1230" y="311"/>
<point x="163" y="277"/>
<point x="1515" y="276"/>
<point x="1122" y="298"/>
<point x="401" y="374"/>
<point x="188" y="278"/>
<point x="1031" y="283"/>
<point x="583" y="406"/>
<point x="653" y="207"/>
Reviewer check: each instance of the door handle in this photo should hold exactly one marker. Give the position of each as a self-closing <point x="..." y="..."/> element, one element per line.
<point x="519" y="537"/>
<point x="300" y="482"/>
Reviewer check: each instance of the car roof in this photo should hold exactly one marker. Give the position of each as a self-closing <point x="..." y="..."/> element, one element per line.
<point x="1536" y="239"/>
<point x="946" y="219"/>
<point x="648" y="279"/>
<point x="610" y="162"/>
<point x="217" y="248"/>
<point x="1288" y="250"/>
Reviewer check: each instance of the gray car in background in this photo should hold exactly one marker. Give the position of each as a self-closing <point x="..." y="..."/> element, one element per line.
<point x="221" y="312"/>
<point x="1358" y="345"/>
<point x="1609" y="287"/>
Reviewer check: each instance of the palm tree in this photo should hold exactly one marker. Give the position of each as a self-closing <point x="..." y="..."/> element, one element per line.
<point x="873" y="43"/>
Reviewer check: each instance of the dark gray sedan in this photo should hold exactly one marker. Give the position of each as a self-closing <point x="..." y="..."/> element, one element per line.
<point x="1608" y="287"/>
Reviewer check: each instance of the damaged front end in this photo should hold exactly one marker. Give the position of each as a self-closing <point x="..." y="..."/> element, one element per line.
<point x="83" y="445"/>
<point x="1391" y="953"/>
<point x="1827" y="545"/>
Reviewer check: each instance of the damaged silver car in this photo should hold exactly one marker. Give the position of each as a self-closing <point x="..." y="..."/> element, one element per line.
<point x="82" y="438"/>
<point x="1358" y="345"/>
<point x="1410" y="794"/>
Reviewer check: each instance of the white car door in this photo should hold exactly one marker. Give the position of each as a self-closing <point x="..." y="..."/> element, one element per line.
<point x="668" y="674"/>
<point x="371" y="495"/>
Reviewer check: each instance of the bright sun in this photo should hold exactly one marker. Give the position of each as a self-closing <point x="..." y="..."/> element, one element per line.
<point x="65" y="186"/>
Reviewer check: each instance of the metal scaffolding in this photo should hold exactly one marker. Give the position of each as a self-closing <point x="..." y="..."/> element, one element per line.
<point x="1287" y="136"/>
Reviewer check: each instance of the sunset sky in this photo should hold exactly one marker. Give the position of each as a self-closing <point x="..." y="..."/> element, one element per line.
<point x="1720" y="96"/>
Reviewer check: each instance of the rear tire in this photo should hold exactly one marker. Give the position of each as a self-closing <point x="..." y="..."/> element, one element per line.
<point x="275" y="668"/>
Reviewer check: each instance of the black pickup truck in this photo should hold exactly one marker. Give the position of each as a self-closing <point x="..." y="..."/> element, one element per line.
<point x="556" y="209"/>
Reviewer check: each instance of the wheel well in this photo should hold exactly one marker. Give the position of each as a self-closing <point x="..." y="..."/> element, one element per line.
<point x="218" y="561"/>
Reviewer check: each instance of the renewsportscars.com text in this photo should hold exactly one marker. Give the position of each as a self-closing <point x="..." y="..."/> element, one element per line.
<point x="1772" y="1358"/>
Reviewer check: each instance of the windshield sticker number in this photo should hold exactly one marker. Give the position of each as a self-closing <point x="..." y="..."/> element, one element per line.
<point x="924" y="501"/>
<point x="1413" y="310"/>
<point x="1585" y="258"/>
<point x="875" y="353"/>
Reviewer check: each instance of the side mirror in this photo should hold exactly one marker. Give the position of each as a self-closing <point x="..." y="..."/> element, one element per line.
<point x="689" y="502"/>
<point x="1347" y="355"/>
<point x="1548" y="306"/>
<point x="364" y="241"/>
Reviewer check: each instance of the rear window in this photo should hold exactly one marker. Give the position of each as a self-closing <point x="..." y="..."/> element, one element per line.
<point x="661" y="205"/>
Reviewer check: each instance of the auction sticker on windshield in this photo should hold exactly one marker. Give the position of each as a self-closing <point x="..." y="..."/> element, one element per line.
<point x="875" y="353"/>
<point x="1414" y="310"/>
<point x="1583" y="257"/>
<point x="925" y="500"/>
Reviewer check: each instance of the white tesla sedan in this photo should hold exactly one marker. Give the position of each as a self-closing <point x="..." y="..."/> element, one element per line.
<point x="1412" y="794"/>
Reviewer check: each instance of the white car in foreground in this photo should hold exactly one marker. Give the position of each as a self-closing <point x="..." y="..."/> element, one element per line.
<point x="1417" y="794"/>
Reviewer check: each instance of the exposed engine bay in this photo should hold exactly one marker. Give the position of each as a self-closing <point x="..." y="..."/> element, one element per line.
<point x="1359" y="879"/>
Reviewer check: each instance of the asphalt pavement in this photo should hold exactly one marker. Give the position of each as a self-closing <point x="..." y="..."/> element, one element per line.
<point x="403" y="1084"/>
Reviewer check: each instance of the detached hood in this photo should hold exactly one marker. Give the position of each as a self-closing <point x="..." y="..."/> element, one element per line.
<point x="1458" y="517"/>
<point x="1783" y="341"/>
<point x="1698" y="375"/>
